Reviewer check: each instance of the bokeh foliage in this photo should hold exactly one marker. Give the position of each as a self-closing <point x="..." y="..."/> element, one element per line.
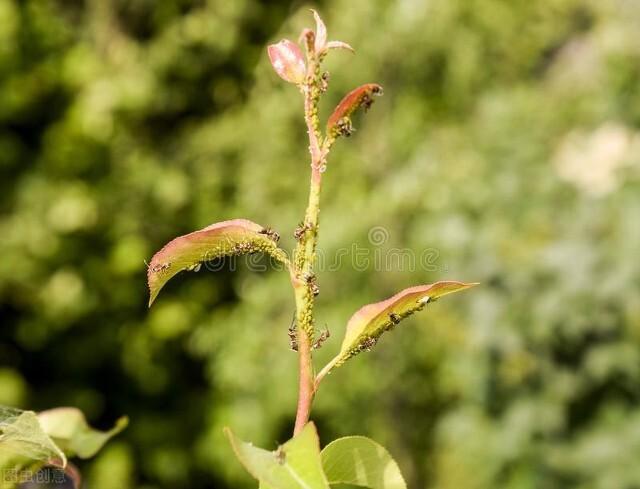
<point x="506" y="145"/>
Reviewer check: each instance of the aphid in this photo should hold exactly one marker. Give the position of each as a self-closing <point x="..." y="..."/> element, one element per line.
<point x="302" y="228"/>
<point x="293" y="335"/>
<point x="394" y="318"/>
<point x="367" y="102"/>
<point x="281" y="455"/>
<point x="270" y="233"/>
<point x="160" y="267"/>
<point x="311" y="281"/>
<point x="194" y="268"/>
<point x="324" y="81"/>
<point x="242" y="247"/>
<point x="324" y="336"/>
<point x="368" y="344"/>
<point x="344" y="127"/>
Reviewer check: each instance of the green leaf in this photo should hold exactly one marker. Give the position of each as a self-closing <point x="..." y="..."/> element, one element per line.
<point x="69" y="429"/>
<point x="362" y="462"/>
<point x="22" y="435"/>
<point x="295" y="465"/>
<point x="367" y="325"/>
<point x="188" y="252"/>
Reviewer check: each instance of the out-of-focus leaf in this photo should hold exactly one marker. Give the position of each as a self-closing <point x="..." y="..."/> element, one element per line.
<point x="371" y="321"/>
<point x="295" y="465"/>
<point x="321" y="32"/>
<point x="339" y="45"/>
<point x="288" y="61"/>
<point x="339" y="123"/>
<point x="188" y="252"/>
<point x="320" y="43"/>
<point x="361" y="461"/>
<point x="21" y="434"/>
<point x="69" y="429"/>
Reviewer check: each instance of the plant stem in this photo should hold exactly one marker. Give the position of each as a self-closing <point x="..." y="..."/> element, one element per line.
<point x="306" y="254"/>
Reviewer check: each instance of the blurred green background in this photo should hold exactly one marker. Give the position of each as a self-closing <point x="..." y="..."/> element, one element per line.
<point x="507" y="145"/>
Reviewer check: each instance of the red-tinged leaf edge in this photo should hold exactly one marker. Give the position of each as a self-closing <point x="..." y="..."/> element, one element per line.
<point x="367" y="325"/>
<point x="227" y="238"/>
<point x="339" y="123"/>
<point x="288" y="61"/>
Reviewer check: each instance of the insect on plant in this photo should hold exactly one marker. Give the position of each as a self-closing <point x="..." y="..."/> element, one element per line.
<point x="300" y="462"/>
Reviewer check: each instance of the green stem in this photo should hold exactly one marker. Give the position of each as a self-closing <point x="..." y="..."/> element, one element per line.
<point x="306" y="255"/>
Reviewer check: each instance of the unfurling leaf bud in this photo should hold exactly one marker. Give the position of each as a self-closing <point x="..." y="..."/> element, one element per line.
<point x="321" y="46"/>
<point x="288" y="61"/>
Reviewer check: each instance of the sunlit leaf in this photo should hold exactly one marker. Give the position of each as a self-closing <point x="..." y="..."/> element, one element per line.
<point x="294" y="465"/>
<point x="69" y="429"/>
<point x="288" y="61"/>
<point x="371" y="321"/>
<point x="22" y="434"/>
<point x="188" y="252"/>
<point x="362" y="462"/>
<point x="339" y="123"/>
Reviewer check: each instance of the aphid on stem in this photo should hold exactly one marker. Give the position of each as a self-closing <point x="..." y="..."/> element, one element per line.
<point x="324" y="82"/>
<point x="310" y="279"/>
<point x="324" y="336"/>
<point x="293" y="335"/>
<point x="302" y="228"/>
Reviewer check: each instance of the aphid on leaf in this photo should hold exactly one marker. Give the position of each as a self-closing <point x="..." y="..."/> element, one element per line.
<point x="324" y="336"/>
<point x="194" y="268"/>
<point x="394" y="318"/>
<point x="160" y="267"/>
<point x="368" y="344"/>
<point x="243" y="247"/>
<point x="344" y="127"/>
<point x="281" y="455"/>
<point x="270" y="233"/>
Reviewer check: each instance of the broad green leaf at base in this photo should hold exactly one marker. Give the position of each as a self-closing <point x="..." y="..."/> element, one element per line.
<point x="362" y="462"/>
<point x="295" y="465"/>
<point x="22" y="435"/>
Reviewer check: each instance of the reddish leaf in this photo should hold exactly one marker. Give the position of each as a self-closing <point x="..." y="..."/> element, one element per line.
<point x="369" y="322"/>
<point x="234" y="237"/>
<point x="288" y="61"/>
<point x="339" y="123"/>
